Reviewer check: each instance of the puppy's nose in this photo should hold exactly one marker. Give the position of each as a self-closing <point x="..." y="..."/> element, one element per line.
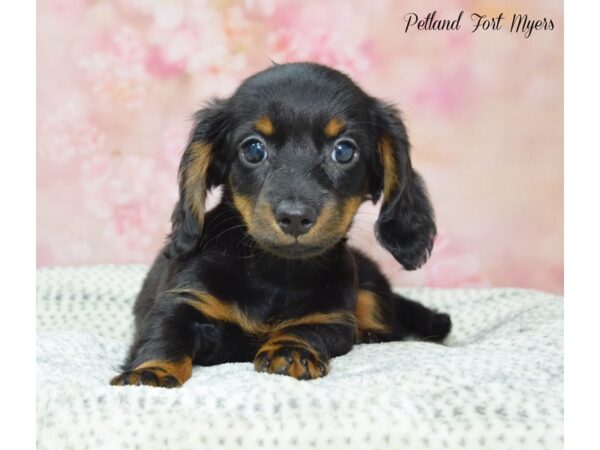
<point x="295" y="218"/>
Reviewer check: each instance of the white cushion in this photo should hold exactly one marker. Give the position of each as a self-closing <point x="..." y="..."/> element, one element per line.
<point x="498" y="383"/>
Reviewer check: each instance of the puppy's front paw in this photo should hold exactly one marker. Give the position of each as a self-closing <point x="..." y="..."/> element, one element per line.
<point x="148" y="376"/>
<point x="298" y="361"/>
<point x="156" y="372"/>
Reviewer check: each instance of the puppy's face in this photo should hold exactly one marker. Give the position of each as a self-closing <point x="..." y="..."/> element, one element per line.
<point x="300" y="169"/>
<point x="299" y="147"/>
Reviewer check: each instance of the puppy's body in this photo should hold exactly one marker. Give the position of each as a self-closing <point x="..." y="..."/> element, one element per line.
<point x="266" y="276"/>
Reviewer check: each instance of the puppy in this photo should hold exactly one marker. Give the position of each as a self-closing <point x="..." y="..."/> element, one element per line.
<point x="266" y="276"/>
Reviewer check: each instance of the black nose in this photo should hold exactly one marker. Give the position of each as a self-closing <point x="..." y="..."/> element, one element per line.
<point x="295" y="218"/>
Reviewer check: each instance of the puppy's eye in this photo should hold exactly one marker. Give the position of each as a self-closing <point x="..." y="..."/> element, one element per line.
<point x="254" y="151"/>
<point x="343" y="152"/>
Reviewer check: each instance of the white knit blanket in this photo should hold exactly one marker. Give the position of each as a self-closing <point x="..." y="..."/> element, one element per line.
<point x="498" y="383"/>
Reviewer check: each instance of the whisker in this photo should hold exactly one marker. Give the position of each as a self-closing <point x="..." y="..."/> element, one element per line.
<point x="220" y="234"/>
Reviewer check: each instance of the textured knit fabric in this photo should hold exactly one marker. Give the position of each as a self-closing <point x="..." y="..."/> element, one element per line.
<point x="497" y="383"/>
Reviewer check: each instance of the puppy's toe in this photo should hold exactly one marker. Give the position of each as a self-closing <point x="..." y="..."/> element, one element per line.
<point x="148" y="376"/>
<point x="297" y="362"/>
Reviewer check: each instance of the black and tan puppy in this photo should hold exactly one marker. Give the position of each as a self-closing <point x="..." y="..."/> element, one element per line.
<point x="266" y="276"/>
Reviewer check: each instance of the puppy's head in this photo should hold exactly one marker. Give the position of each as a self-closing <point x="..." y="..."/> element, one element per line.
<point x="298" y="148"/>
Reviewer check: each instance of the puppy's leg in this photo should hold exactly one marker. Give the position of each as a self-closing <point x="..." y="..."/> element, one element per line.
<point x="414" y="319"/>
<point x="163" y="351"/>
<point x="303" y="351"/>
<point x="383" y="316"/>
<point x="386" y="316"/>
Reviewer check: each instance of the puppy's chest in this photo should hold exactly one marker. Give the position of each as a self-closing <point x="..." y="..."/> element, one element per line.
<point x="268" y="298"/>
<point x="268" y="303"/>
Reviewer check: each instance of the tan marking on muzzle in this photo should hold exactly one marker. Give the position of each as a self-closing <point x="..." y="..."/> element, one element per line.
<point x="349" y="209"/>
<point x="245" y="207"/>
<point x="265" y="212"/>
<point x="326" y="216"/>
<point x="333" y="221"/>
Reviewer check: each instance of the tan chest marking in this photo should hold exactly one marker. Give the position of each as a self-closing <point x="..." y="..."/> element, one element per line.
<point x="216" y="309"/>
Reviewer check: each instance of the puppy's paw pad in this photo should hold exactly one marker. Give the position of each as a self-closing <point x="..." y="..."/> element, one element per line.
<point x="297" y="362"/>
<point x="148" y="376"/>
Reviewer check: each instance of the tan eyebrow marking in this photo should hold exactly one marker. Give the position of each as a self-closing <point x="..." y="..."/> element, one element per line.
<point x="265" y="126"/>
<point x="334" y="127"/>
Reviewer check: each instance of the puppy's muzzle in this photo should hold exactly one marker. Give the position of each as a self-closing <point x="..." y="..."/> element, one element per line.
<point x="295" y="218"/>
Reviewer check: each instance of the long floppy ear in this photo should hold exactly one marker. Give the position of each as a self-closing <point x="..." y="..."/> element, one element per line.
<point x="406" y="223"/>
<point x="203" y="166"/>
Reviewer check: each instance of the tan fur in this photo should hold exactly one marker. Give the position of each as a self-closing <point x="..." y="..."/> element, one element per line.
<point x="349" y="209"/>
<point x="264" y="214"/>
<point x="295" y="368"/>
<point x="265" y="126"/>
<point x="245" y="207"/>
<point x="333" y="221"/>
<point x="257" y="216"/>
<point x="195" y="179"/>
<point x="222" y="311"/>
<point x="344" y="318"/>
<point x="327" y="215"/>
<point x="216" y="309"/>
<point x="334" y="127"/>
<point x="279" y="340"/>
<point x="181" y="370"/>
<point x="390" y="173"/>
<point x="367" y="313"/>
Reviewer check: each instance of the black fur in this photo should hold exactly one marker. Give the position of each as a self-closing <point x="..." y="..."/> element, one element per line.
<point x="252" y="267"/>
<point x="406" y="224"/>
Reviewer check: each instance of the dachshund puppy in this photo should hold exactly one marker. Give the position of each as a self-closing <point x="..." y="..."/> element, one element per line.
<point x="266" y="276"/>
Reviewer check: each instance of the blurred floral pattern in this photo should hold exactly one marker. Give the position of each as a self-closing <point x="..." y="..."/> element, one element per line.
<point x="118" y="82"/>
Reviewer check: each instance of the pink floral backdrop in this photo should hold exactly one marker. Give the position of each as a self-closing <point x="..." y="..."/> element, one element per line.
<point x="119" y="80"/>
